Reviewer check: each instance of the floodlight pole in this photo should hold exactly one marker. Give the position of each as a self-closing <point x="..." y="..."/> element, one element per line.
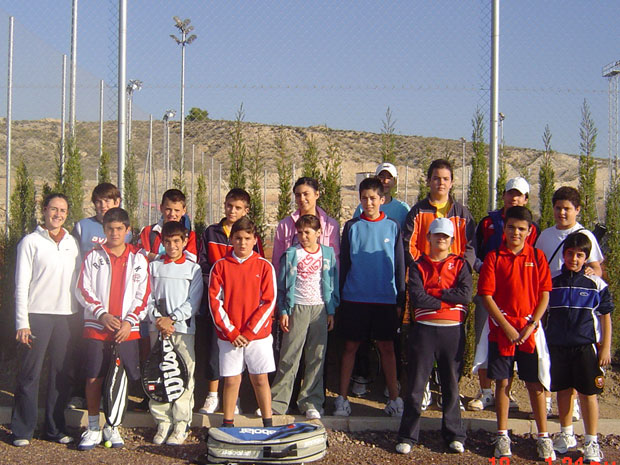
<point x="463" y="142"/>
<point x="122" y="107"/>
<point x="494" y="106"/>
<point x="73" y="72"/>
<point x="100" y="119"/>
<point x="9" y="117"/>
<point x="63" y="102"/>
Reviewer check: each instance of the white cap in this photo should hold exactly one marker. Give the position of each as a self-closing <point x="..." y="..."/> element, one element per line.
<point x="519" y="184"/>
<point x="387" y="167"/>
<point x="442" y="226"/>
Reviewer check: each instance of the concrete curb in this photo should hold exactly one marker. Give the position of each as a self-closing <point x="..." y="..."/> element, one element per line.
<point x="79" y="418"/>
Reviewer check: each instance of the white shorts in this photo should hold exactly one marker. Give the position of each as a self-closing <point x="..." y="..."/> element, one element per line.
<point x="257" y="356"/>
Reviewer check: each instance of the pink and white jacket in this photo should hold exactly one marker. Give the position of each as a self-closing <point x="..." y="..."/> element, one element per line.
<point x="286" y="236"/>
<point x="93" y="291"/>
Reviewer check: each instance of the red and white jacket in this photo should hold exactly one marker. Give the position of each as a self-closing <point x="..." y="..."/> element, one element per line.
<point x="242" y="296"/>
<point x="150" y="242"/>
<point x="93" y="291"/>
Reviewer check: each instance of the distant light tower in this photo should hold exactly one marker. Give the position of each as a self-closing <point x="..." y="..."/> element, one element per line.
<point x="611" y="72"/>
<point x="184" y="28"/>
<point x="134" y="85"/>
<point x="463" y="141"/>
<point x="168" y="115"/>
<point x="502" y="117"/>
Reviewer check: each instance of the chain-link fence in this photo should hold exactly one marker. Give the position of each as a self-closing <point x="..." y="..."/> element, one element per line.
<point x="310" y="64"/>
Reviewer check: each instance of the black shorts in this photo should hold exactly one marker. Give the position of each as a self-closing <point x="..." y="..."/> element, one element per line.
<point x="502" y="366"/>
<point x="365" y="321"/>
<point x="576" y="367"/>
<point x="97" y="358"/>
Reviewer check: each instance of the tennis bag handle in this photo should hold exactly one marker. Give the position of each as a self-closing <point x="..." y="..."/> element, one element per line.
<point x="290" y="451"/>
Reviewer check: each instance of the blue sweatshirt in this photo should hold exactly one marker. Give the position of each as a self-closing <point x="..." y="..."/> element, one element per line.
<point x="372" y="261"/>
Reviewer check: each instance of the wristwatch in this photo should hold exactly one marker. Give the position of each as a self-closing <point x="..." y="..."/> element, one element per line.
<point x="174" y="318"/>
<point x="533" y="323"/>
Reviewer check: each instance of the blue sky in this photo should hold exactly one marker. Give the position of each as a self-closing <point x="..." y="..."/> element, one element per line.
<point x="335" y="63"/>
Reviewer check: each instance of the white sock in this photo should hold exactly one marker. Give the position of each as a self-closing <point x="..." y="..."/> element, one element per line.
<point x="212" y="394"/>
<point x="543" y="435"/>
<point x="487" y="392"/>
<point x="548" y="401"/>
<point x="567" y="430"/>
<point x="591" y="438"/>
<point x="502" y="432"/>
<point x="93" y="422"/>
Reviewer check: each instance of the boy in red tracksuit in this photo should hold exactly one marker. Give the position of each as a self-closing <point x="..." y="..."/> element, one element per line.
<point x="440" y="286"/>
<point x="113" y="288"/>
<point x="242" y="295"/>
<point x="514" y="287"/>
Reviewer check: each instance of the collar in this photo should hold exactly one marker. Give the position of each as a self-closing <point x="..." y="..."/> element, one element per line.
<point x="179" y="260"/>
<point x="123" y="256"/>
<point x="379" y="218"/>
<point x="572" y="273"/>
<point x="240" y="260"/>
<point x="524" y="251"/>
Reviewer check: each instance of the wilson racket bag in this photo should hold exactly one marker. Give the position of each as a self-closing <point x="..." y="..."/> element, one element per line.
<point x="294" y="443"/>
<point x="164" y="374"/>
<point x="115" y="390"/>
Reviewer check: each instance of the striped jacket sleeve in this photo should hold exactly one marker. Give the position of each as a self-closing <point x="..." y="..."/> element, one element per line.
<point x="219" y="313"/>
<point x="142" y="290"/>
<point x="85" y="291"/>
<point x="267" y="300"/>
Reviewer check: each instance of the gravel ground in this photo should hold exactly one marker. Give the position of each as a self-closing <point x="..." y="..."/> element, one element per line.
<point x="363" y="448"/>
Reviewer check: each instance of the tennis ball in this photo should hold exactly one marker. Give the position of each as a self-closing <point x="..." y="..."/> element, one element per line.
<point x="107" y="444"/>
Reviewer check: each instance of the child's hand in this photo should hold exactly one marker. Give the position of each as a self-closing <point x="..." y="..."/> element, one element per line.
<point x="604" y="357"/>
<point x="241" y="341"/>
<point x="110" y="322"/>
<point x="511" y="333"/>
<point x="588" y="270"/>
<point x="123" y="333"/>
<point x="524" y="334"/>
<point x="284" y="323"/>
<point x="330" y="322"/>
<point x="165" y="325"/>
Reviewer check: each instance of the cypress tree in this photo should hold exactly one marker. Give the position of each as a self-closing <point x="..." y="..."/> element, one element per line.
<point x="200" y="222"/>
<point x="73" y="184"/>
<point x="478" y="194"/>
<point x="237" y="153"/>
<point x="546" y="182"/>
<point x="587" y="167"/>
<point x="310" y="166"/>
<point x="331" y="182"/>
<point x="130" y="194"/>
<point x="388" y="139"/>
<point x="285" y="182"/>
<point x="23" y="217"/>
<point x="104" y="166"/>
<point x="256" y="168"/>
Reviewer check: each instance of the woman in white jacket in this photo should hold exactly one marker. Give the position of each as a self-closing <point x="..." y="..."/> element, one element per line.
<point x="45" y="274"/>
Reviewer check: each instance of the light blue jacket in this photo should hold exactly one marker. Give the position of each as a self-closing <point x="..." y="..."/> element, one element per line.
<point x="329" y="280"/>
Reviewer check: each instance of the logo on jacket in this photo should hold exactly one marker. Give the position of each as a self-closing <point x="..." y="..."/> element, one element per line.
<point x="136" y="278"/>
<point x="531" y="264"/>
<point x="583" y="294"/>
<point x="450" y="266"/>
<point x="387" y="239"/>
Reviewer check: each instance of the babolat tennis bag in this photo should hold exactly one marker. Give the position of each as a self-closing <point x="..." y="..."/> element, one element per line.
<point x="294" y="443"/>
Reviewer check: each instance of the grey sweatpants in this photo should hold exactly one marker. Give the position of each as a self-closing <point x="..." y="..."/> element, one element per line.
<point x="307" y="326"/>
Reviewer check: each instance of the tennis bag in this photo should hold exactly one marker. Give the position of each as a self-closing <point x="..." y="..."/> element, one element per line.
<point x="164" y="374"/>
<point x="294" y="443"/>
<point x="115" y="390"/>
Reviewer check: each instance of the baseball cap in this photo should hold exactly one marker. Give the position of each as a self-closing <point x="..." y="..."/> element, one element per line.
<point x="387" y="167"/>
<point x="442" y="226"/>
<point x="519" y="184"/>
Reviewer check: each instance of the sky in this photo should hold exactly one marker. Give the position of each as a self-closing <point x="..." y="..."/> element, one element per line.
<point x="339" y="64"/>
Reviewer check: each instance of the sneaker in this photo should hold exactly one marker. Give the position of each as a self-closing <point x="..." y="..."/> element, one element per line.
<point x="457" y="446"/>
<point x="76" y="403"/>
<point x="313" y="414"/>
<point x="544" y="447"/>
<point x="427" y="398"/>
<point x="576" y="410"/>
<point x="512" y="402"/>
<point x="211" y="405"/>
<point x="548" y="407"/>
<point x="394" y="408"/>
<point x="163" y="429"/>
<point x="386" y="391"/>
<point x="112" y="434"/>
<point x="358" y="386"/>
<point x="403" y="447"/>
<point x="90" y="438"/>
<point x="63" y="439"/>
<point x="342" y="407"/>
<point x="502" y="447"/>
<point x="563" y="441"/>
<point x="178" y="436"/>
<point x="21" y="442"/>
<point x="481" y="402"/>
<point x="592" y="452"/>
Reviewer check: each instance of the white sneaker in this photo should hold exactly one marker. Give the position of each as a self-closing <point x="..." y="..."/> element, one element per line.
<point x="112" y="434"/>
<point x="358" y="386"/>
<point x="427" y="398"/>
<point x="576" y="410"/>
<point x="163" y="429"/>
<point x="403" y="447"/>
<point x="502" y="447"/>
<point x="178" y="436"/>
<point x="90" y="439"/>
<point x="481" y="402"/>
<point x="592" y="452"/>
<point x="76" y="403"/>
<point x="394" y="408"/>
<point x="342" y="407"/>
<point x="211" y="405"/>
<point x="21" y="442"/>
<point x="457" y="446"/>
<point x="313" y="414"/>
<point x="544" y="447"/>
<point x="563" y="441"/>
